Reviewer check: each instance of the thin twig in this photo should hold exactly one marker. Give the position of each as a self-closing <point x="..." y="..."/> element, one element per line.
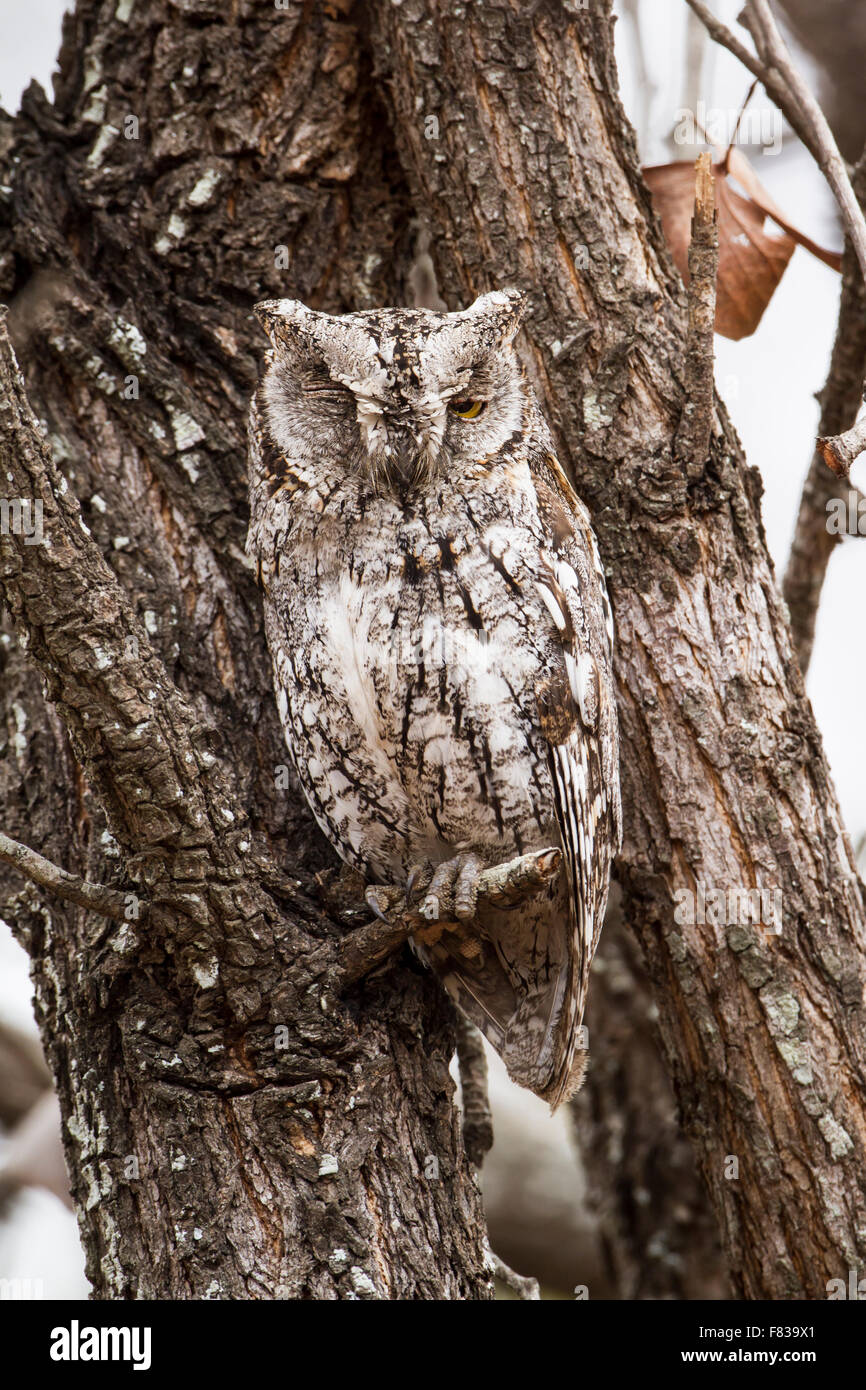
<point x="477" y="1116"/>
<point x="94" y="896"/>
<point x="759" y="20"/>
<point x="523" y="1285"/>
<point x="786" y="87"/>
<point x="771" y="83"/>
<point x="692" y="442"/>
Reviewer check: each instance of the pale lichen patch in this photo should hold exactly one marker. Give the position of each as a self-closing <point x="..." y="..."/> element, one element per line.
<point x="186" y="430"/>
<point x="838" y="1139"/>
<point x="127" y="341"/>
<point x="203" y="190"/>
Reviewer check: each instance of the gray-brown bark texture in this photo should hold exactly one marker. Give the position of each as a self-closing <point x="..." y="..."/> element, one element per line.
<point x="725" y="781"/>
<point x="657" y="1232"/>
<point x="227" y="1135"/>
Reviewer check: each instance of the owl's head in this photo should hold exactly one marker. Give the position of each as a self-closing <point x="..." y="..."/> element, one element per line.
<point x="401" y="396"/>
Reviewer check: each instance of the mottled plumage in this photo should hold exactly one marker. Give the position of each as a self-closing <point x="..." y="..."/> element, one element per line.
<point x="441" y="642"/>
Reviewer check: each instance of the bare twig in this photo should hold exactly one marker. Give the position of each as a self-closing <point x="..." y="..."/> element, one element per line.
<point x="692" y="442"/>
<point x="523" y="1285"/>
<point x="839" y="451"/>
<point x="786" y="87"/>
<point x="477" y="1118"/>
<point x="840" y="398"/>
<point x="94" y="896"/>
<point x="770" y="81"/>
<point x="504" y="885"/>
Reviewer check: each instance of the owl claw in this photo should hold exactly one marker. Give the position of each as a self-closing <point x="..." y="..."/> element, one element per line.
<point x="373" y="896"/>
<point x="419" y="876"/>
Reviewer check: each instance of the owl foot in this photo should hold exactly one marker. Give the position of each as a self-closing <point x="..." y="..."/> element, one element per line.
<point x="452" y="896"/>
<point x="453" y="890"/>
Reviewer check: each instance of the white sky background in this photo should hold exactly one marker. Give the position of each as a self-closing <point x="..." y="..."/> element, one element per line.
<point x="768" y="382"/>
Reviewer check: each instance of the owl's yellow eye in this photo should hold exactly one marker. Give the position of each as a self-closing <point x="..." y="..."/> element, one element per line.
<point x="467" y="410"/>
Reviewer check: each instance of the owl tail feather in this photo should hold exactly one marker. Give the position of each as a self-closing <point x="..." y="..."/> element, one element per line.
<point x="570" y="1085"/>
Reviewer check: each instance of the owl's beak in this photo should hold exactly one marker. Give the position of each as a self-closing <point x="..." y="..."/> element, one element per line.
<point x="399" y="456"/>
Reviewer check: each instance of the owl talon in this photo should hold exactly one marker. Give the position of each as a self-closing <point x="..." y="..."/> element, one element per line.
<point x="440" y="893"/>
<point x="374" y="896"/>
<point x="419" y="877"/>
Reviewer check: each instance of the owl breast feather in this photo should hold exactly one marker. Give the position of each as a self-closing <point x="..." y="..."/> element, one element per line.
<point x="408" y="652"/>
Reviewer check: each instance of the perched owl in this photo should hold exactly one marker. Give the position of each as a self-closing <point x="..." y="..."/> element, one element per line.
<point x="441" y="641"/>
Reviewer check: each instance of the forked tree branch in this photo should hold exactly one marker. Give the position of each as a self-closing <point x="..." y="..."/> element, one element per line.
<point x="784" y="85"/>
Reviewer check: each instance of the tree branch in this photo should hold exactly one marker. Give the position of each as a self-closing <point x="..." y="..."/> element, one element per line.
<point x="523" y="1285"/>
<point x="840" y="399"/>
<point x="93" y="896"/>
<point x="786" y="87"/>
<point x="839" y="451"/>
<point x="770" y="80"/>
<point x="266" y="167"/>
<point x="761" y="1032"/>
<point x="136" y="735"/>
<point x="477" y="1116"/>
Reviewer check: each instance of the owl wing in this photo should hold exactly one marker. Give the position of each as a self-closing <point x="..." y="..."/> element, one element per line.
<point x="522" y="977"/>
<point x="577" y="716"/>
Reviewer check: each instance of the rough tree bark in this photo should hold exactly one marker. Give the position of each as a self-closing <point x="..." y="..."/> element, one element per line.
<point x="211" y="1155"/>
<point x="658" y="1233"/>
<point x="534" y="182"/>
<point x="332" y="1166"/>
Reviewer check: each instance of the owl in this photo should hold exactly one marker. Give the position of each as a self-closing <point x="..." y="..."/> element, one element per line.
<point x="441" y="640"/>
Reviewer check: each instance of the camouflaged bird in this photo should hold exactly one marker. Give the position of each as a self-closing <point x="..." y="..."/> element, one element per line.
<point x="441" y="641"/>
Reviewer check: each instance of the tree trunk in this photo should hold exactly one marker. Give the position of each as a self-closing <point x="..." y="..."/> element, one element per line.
<point x="233" y="1129"/>
<point x="225" y="1137"/>
<point x="658" y="1233"/>
<point x="533" y="181"/>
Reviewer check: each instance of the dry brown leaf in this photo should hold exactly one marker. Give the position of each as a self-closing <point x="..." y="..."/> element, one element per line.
<point x="751" y="262"/>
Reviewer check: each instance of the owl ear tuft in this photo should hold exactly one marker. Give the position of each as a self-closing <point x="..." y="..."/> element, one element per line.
<point x="502" y="311"/>
<point x="286" y="321"/>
